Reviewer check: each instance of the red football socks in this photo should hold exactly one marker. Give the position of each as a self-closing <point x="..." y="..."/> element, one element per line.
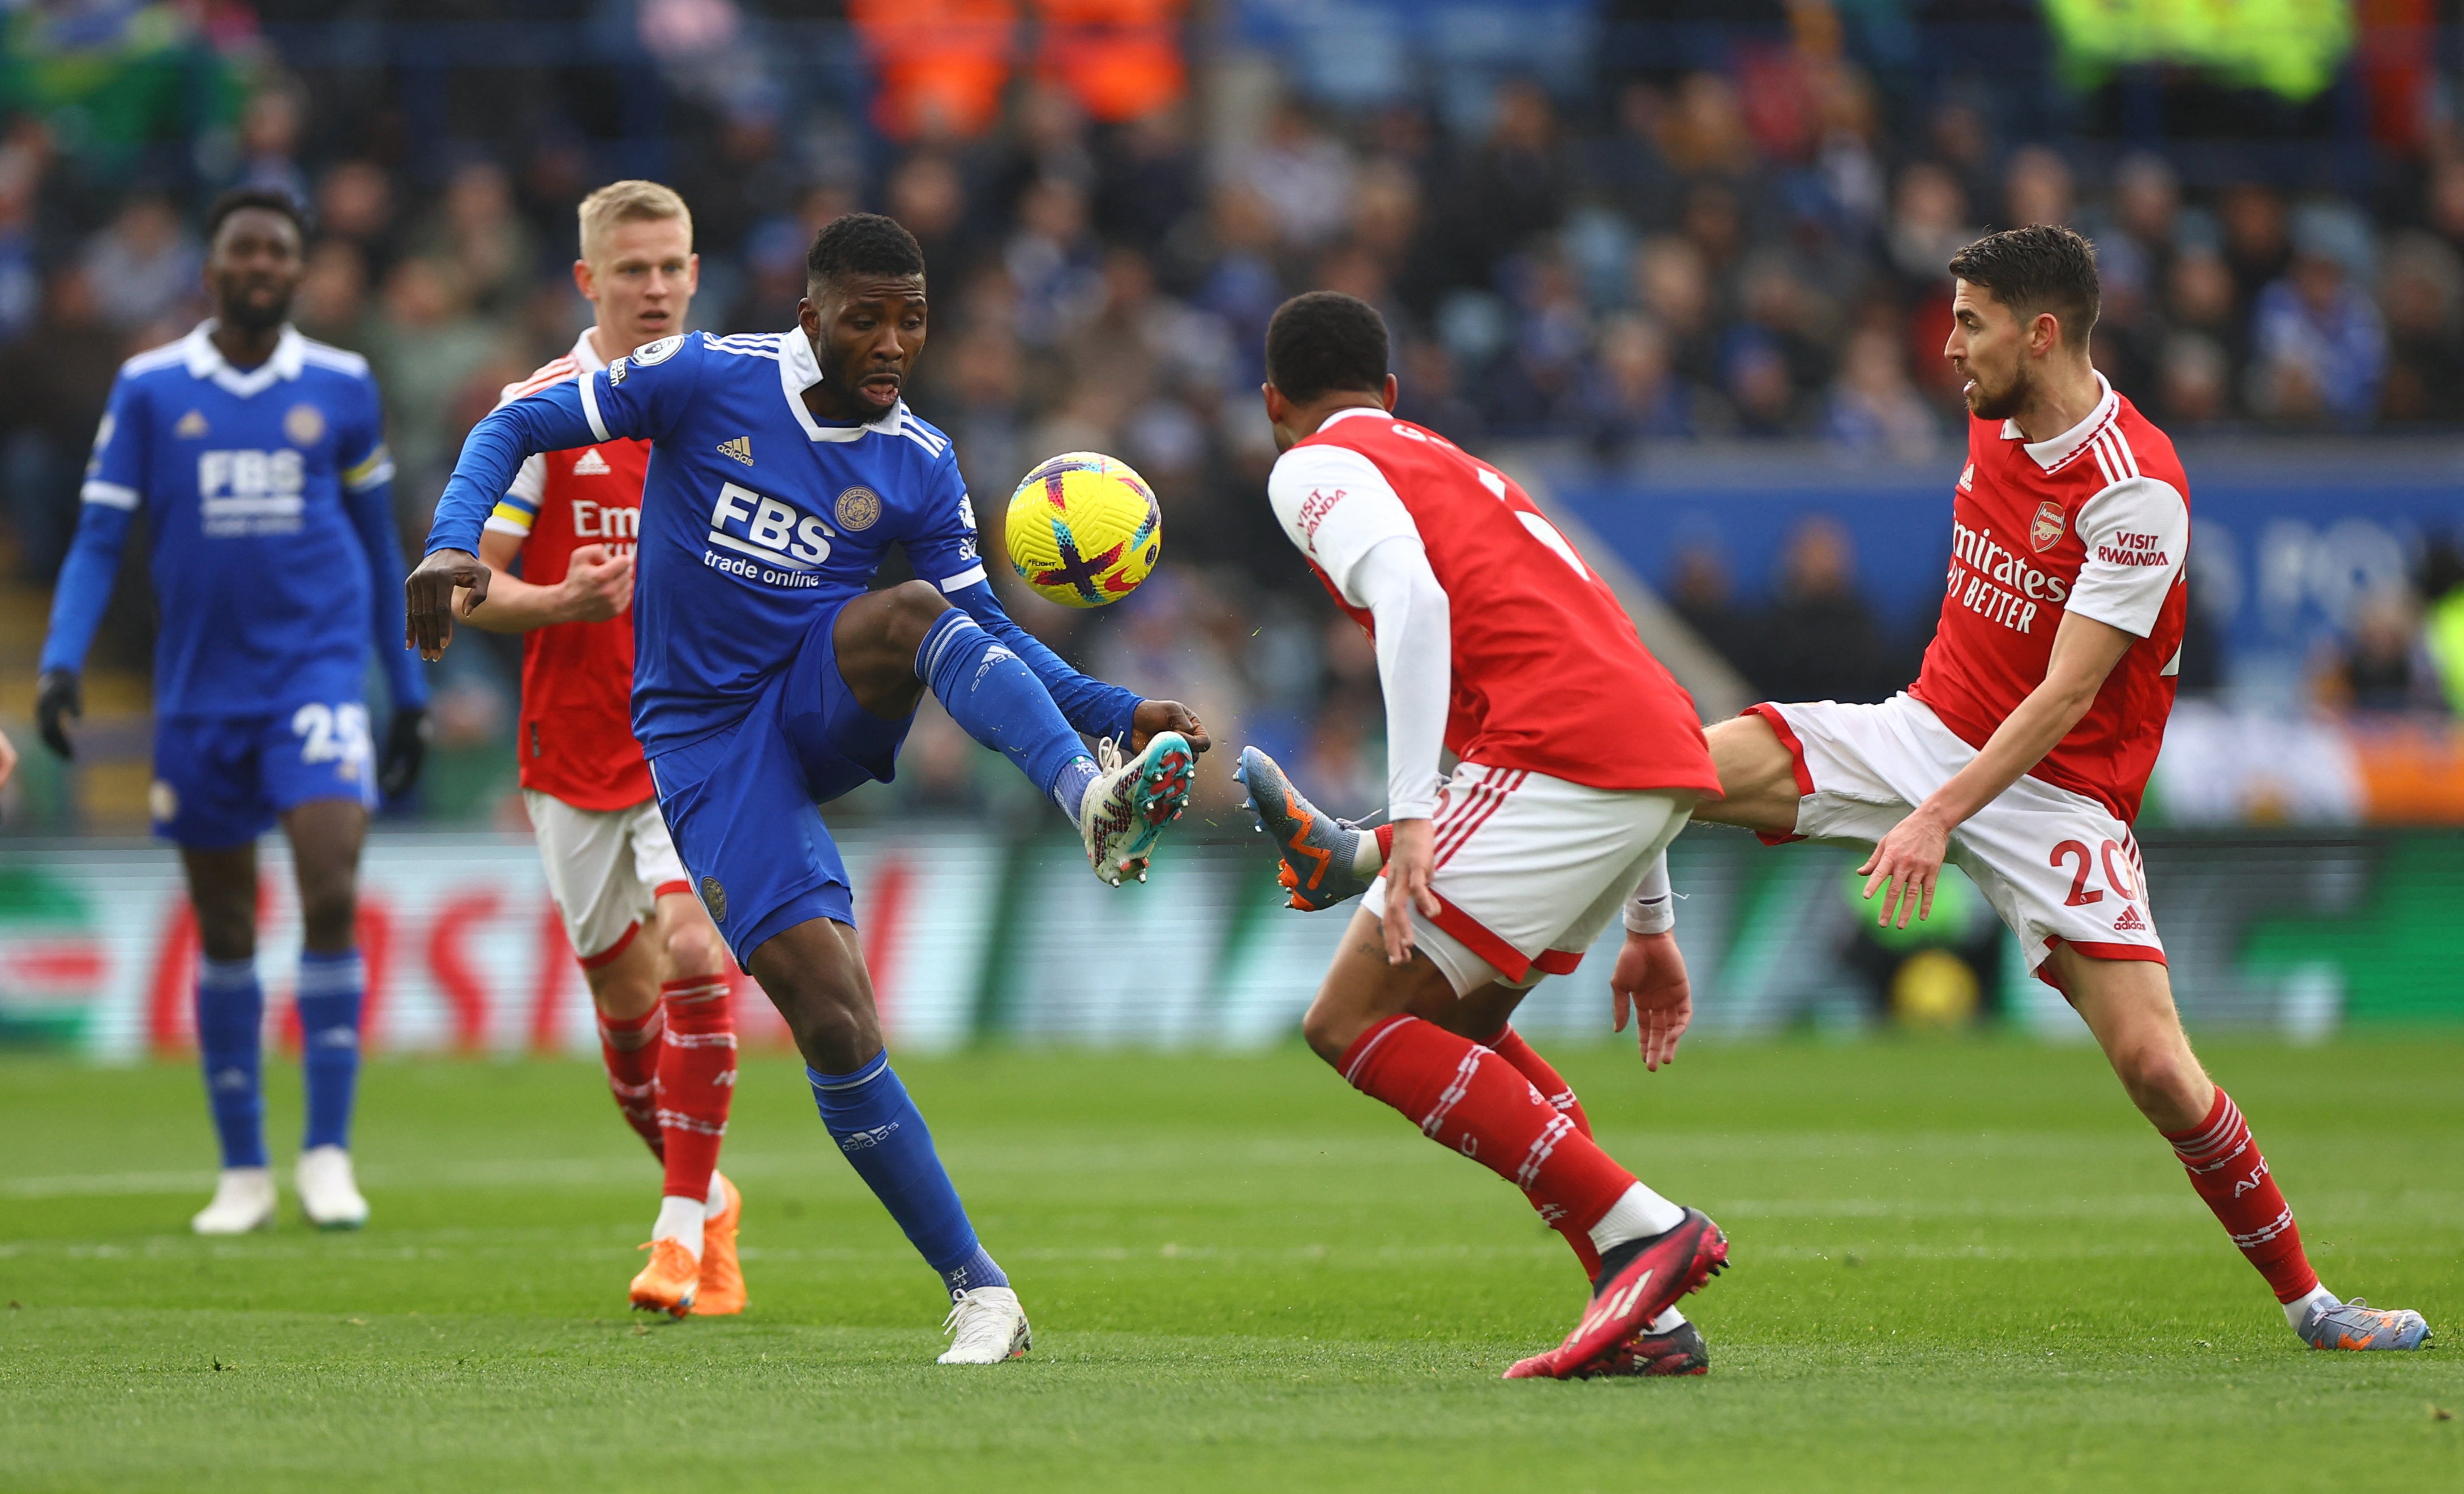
<point x="631" y="1049"/>
<point x="1508" y="1044"/>
<point x="696" y="1080"/>
<point x="1465" y="1096"/>
<point x="2228" y="1172"/>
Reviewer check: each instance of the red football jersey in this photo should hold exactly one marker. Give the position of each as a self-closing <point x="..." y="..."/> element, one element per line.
<point x="577" y="727"/>
<point x="2096" y="521"/>
<point x="1548" y="672"/>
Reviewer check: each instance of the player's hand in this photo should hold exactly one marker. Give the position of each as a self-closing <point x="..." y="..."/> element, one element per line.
<point x="428" y="596"/>
<point x="1905" y="865"/>
<point x="7" y="759"/>
<point x="1650" y="983"/>
<point x="597" y="585"/>
<point x="1166" y="715"/>
<point x="405" y="749"/>
<point x="58" y="700"/>
<point x="1408" y="869"/>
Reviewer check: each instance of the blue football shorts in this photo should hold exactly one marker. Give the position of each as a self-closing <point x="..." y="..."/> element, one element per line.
<point x="224" y="780"/>
<point x="743" y="804"/>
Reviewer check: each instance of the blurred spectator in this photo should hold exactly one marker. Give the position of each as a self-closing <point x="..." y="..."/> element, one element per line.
<point x="2035" y="188"/>
<point x="2386" y="664"/>
<point x="2257" y="243"/>
<point x="355" y="203"/>
<point x="1304" y="175"/>
<point x="145" y="266"/>
<point x="1875" y="411"/>
<point x="1632" y="394"/>
<point x="1674" y="285"/>
<point x="268" y="142"/>
<point x="427" y="345"/>
<point x="53" y="384"/>
<point x="1928" y="225"/>
<point x="2320" y="349"/>
<point x="2196" y="382"/>
<point x="21" y="273"/>
<point x="1819" y="640"/>
<point x="1698" y="594"/>
<point x="332" y="306"/>
<point x="2422" y="290"/>
<point x="476" y="231"/>
<point x="929" y="195"/>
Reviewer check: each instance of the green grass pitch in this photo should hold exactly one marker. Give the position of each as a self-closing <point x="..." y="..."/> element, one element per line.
<point x="1959" y="1265"/>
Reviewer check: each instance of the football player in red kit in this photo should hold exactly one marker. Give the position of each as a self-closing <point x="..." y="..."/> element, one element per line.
<point x="2021" y="751"/>
<point x="562" y="547"/>
<point x="1563" y="806"/>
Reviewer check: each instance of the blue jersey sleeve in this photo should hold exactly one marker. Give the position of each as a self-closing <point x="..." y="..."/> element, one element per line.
<point x="638" y="397"/>
<point x="367" y="495"/>
<point x="944" y="550"/>
<point x="113" y="487"/>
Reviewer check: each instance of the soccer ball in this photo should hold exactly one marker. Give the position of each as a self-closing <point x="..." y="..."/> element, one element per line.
<point x="1084" y="530"/>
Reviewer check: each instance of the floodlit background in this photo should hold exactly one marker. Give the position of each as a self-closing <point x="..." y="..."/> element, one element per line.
<point x="1677" y="265"/>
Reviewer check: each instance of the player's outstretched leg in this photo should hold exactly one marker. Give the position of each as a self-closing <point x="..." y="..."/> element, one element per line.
<point x="814" y="972"/>
<point x="697" y="1088"/>
<point x="325" y="835"/>
<point x="2128" y="1004"/>
<point x="1468" y="1099"/>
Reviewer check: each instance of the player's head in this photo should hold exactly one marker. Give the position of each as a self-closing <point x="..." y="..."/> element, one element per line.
<point x="2024" y="297"/>
<point x="255" y="253"/>
<point x="864" y="310"/>
<point x="1324" y="350"/>
<point x="637" y="265"/>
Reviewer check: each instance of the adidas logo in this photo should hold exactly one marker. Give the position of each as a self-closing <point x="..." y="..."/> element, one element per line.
<point x="2130" y="919"/>
<point x="590" y="464"/>
<point x="741" y="448"/>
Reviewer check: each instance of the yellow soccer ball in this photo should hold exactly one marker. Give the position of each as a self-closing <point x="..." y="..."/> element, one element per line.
<point x="1084" y="530"/>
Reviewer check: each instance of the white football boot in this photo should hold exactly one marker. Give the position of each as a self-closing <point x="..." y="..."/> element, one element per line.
<point x="243" y="1201"/>
<point x="1131" y="801"/>
<point x="986" y="1326"/>
<point x="328" y="1194"/>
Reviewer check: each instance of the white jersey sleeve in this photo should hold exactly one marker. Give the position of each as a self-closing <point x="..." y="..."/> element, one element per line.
<point x="519" y="509"/>
<point x="2138" y="535"/>
<point x="1338" y="508"/>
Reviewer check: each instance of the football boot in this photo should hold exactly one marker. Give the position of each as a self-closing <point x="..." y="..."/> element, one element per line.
<point x="2357" y="1325"/>
<point x="329" y="1195"/>
<point x="1317" y="850"/>
<point x="671" y="1281"/>
<point x="986" y="1326"/>
<point x="722" y="1278"/>
<point x="1681" y="1351"/>
<point x="243" y="1201"/>
<point x="1639" y="1281"/>
<point x="1131" y="801"/>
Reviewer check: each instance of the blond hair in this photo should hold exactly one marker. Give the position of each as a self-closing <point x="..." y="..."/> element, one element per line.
<point x="629" y="202"/>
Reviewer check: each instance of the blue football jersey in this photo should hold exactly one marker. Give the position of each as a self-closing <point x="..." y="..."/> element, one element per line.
<point x="267" y="494"/>
<point x="755" y="517"/>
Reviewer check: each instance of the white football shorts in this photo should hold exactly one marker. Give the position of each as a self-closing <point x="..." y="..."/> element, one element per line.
<point x="2058" y="866"/>
<point x="606" y="868"/>
<point x="1530" y="869"/>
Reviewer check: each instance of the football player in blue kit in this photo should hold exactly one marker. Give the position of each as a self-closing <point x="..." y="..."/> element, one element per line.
<point x="768" y="680"/>
<point x="258" y="460"/>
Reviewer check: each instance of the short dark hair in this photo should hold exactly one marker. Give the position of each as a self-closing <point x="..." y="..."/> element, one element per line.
<point x="1324" y="342"/>
<point x="239" y="199"/>
<point x="863" y="242"/>
<point x="2040" y="268"/>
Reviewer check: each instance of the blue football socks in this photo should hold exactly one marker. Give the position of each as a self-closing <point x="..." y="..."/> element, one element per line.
<point x="230" y="1016"/>
<point x="330" y="987"/>
<point x="1000" y="702"/>
<point x="883" y="1135"/>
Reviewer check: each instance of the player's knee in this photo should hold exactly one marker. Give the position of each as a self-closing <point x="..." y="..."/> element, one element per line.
<point x="1329" y="1029"/>
<point x="226" y="932"/>
<point x="2160" y="1076"/>
<point x="328" y="906"/>
<point x="694" y="949"/>
<point x="1757" y="777"/>
<point x="908" y="612"/>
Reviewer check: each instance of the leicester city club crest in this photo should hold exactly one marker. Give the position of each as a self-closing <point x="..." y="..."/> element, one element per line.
<point x="858" y="508"/>
<point x="304" y="425"/>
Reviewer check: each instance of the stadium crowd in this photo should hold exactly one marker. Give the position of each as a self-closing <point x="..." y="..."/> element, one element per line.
<point x="1685" y="257"/>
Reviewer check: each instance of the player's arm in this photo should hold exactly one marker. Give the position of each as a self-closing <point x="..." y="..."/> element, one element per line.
<point x="2136" y="532"/>
<point x="1338" y="508"/>
<point x="596" y="584"/>
<point x="626" y="400"/>
<point x="368" y="499"/>
<point x="107" y="508"/>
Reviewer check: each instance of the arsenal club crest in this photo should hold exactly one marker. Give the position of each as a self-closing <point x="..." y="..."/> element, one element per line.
<point x="2045" y="530"/>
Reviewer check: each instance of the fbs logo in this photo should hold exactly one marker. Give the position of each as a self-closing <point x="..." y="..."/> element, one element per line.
<point x="741" y="449"/>
<point x="590" y="464"/>
<point x="2045" y="530"/>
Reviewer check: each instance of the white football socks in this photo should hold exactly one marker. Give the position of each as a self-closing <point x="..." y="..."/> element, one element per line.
<point x="1071" y="789"/>
<point x="1669" y="1320"/>
<point x="1638" y="1214"/>
<point x="680" y="1221"/>
<point x="1366" y="857"/>
<point x="718" y="1202"/>
<point x="2301" y="1308"/>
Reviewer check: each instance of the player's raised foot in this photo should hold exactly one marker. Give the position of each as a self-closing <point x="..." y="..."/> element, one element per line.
<point x="243" y="1201"/>
<point x="1131" y="801"/>
<point x="1639" y="1281"/>
<point x="722" y="1278"/>
<point x="329" y="1195"/>
<point x="671" y="1281"/>
<point x="2357" y="1325"/>
<point x="1318" y="849"/>
<point x="1681" y="1351"/>
<point x="986" y="1326"/>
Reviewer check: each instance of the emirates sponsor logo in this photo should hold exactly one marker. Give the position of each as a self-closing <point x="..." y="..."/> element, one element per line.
<point x="2045" y="530"/>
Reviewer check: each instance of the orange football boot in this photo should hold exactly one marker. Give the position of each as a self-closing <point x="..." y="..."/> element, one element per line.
<point x="669" y="1282"/>
<point x="722" y="1279"/>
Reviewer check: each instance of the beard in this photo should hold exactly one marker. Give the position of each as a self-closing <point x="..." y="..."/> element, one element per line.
<point x="1997" y="403"/>
<point x="250" y="315"/>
